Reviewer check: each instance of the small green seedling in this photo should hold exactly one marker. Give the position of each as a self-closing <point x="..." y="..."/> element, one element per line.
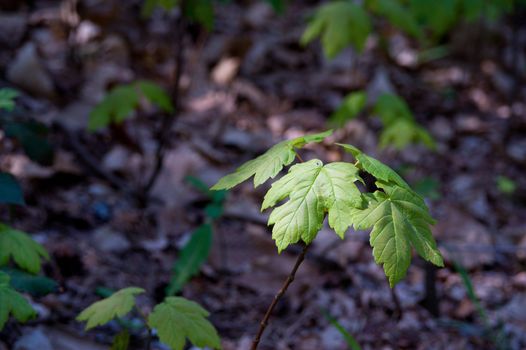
<point x="398" y="216"/>
<point x="123" y="100"/>
<point x="400" y="128"/>
<point x="195" y="252"/>
<point x="175" y="320"/>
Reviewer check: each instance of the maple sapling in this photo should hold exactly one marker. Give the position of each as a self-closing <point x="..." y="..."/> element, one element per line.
<point x="398" y="216"/>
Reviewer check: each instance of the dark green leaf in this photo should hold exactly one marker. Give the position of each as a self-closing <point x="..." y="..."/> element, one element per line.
<point x="193" y="255"/>
<point x="10" y="190"/>
<point x="33" y="138"/>
<point x="35" y="285"/>
<point x="121" y="341"/>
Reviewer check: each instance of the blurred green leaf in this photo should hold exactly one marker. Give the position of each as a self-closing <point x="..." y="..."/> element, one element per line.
<point x="7" y="99"/>
<point x="149" y="6"/>
<point x="277" y="5"/>
<point x="118" y="105"/>
<point x="33" y="138"/>
<point x="121" y="341"/>
<point x="10" y="190"/>
<point x="349" y="339"/>
<point x="35" y="285"/>
<point x="20" y="247"/>
<point x="398" y="15"/>
<point x="202" y="12"/>
<point x="156" y="95"/>
<point x="12" y="303"/>
<point x="427" y="187"/>
<point x="193" y="255"/>
<point x="351" y="106"/>
<point x="506" y="185"/>
<point x="338" y="24"/>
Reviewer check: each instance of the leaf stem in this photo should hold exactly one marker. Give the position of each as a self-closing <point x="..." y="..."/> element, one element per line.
<point x="278" y="296"/>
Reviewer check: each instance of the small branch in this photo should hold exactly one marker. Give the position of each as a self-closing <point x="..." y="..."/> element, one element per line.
<point x="278" y="296"/>
<point x="169" y="119"/>
<point x="92" y="163"/>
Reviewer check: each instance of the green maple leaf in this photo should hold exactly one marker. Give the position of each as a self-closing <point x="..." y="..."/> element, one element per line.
<point x="400" y="220"/>
<point x="339" y="24"/>
<point x="19" y="246"/>
<point x="269" y="164"/>
<point x="12" y="303"/>
<point x="313" y="190"/>
<point x="374" y="167"/>
<point x="177" y="318"/>
<point x="116" y="305"/>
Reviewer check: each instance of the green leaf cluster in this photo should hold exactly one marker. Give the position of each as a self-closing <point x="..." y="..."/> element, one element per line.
<point x="123" y="100"/>
<point x="398" y="216"/>
<point x="338" y="24"/>
<point x="12" y="303"/>
<point x="344" y="23"/>
<point x="175" y="319"/>
<point x="400" y="128"/>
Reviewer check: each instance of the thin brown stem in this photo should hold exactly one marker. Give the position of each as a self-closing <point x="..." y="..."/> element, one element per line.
<point x="169" y="119"/>
<point x="278" y="296"/>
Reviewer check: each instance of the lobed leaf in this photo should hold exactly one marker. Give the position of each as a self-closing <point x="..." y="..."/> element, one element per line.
<point x="177" y="319"/>
<point x="400" y="220"/>
<point x="117" y="305"/>
<point x="193" y="256"/>
<point x="338" y="24"/>
<point x="270" y="163"/>
<point x="12" y="303"/>
<point x="313" y="190"/>
<point x="374" y="167"/>
<point x="19" y="246"/>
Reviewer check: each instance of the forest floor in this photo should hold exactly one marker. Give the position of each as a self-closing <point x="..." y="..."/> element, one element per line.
<point x="245" y="86"/>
